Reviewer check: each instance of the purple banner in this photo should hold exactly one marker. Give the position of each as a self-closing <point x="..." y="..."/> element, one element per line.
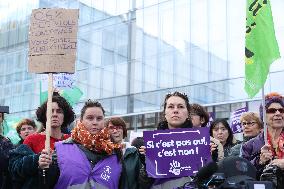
<point x="176" y="152"/>
<point x="235" y="120"/>
<point x="211" y="118"/>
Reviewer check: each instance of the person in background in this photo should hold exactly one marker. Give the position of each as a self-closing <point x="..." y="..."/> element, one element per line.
<point x="131" y="163"/>
<point x="23" y="164"/>
<point x="271" y="154"/>
<point x="25" y="128"/>
<point x="137" y="143"/>
<point x="200" y="118"/>
<point x="220" y="130"/>
<point x="198" y="115"/>
<point x="86" y="160"/>
<point x="251" y="126"/>
<point x="5" y="146"/>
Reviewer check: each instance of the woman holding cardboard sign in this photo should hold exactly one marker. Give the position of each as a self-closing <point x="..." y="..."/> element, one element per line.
<point x="86" y="160"/>
<point x="23" y="164"/>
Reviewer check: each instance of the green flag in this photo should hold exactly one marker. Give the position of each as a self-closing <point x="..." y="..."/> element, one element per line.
<point x="261" y="45"/>
<point x="72" y="95"/>
<point x="9" y="126"/>
<point x="43" y="95"/>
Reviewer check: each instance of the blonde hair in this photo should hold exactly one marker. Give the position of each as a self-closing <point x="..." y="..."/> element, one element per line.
<point x="251" y="116"/>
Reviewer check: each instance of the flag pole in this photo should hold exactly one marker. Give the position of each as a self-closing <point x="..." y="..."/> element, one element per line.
<point x="264" y="116"/>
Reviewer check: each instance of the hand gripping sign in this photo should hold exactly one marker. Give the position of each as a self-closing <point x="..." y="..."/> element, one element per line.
<point x="176" y="152"/>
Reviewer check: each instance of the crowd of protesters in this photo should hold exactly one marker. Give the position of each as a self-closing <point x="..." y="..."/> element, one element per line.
<point x="96" y="155"/>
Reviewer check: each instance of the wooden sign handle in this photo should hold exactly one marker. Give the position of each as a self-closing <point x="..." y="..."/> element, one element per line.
<point x="49" y="112"/>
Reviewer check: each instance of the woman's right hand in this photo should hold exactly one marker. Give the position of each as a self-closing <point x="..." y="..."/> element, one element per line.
<point x="45" y="159"/>
<point x="265" y="154"/>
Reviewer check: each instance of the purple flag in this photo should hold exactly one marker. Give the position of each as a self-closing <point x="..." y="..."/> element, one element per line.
<point x="211" y="118"/>
<point x="235" y="120"/>
<point x="176" y="152"/>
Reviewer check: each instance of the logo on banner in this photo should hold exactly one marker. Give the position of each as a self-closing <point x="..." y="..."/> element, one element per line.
<point x="106" y="173"/>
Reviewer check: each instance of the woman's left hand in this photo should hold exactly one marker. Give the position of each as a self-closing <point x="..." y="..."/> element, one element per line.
<point x="213" y="147"/>
<point x="278" y="162"/>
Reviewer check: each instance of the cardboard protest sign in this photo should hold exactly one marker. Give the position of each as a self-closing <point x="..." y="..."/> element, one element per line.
<point x="235" y="120"/>
<point x="176" y="152"/>
<point x="53" y="40"/>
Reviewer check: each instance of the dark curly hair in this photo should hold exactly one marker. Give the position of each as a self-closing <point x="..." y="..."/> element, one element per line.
<point x="68" y="112"/>
<point x="89" y="104"/>
<point x="163" y="123"/>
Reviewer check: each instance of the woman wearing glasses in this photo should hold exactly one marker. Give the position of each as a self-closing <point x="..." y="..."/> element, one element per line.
<point x="131" y="163"/>
<point x="252" y="126"/>
<point x="259" y="153"/>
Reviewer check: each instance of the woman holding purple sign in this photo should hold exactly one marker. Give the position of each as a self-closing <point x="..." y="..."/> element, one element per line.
<point x="176" y="114"/>
<point x="86" y="160"/>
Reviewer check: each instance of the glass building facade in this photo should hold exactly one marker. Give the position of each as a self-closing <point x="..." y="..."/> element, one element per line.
<point x="132" y="52"/>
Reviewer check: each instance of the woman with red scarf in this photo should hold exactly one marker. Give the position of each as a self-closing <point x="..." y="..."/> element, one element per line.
<point x="272" y="153"/>
<point x="88" y="159"/>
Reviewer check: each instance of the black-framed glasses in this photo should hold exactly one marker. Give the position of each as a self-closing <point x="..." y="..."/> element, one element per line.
<point x="274" y="110"/>
<point x="248" y="123"/>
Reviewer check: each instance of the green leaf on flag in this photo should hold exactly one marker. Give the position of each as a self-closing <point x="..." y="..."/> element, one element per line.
<point x="261" y="45"/>
<point x="72" y="95"/>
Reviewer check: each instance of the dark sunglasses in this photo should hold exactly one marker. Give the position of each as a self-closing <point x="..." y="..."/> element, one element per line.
<point x="274" y="110"/>
<point x="248" y="123"/>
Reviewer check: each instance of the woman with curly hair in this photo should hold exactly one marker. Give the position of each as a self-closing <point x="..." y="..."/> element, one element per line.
<point x="25" y="128"/>
<point x="23" y="164"/>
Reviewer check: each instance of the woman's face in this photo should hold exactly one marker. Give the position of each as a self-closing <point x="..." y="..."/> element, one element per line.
<point x="26" y="130"/>
<point x="116" y="132"/>
<point x="221" y="133"/>
<point x="93" y="119"/>
<point x="196" y="120"/>
<point x="250" y="128"/>
<point x="274" y="117"/>
<point x="57" y="117"/>
<point x="176" y="112"/>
